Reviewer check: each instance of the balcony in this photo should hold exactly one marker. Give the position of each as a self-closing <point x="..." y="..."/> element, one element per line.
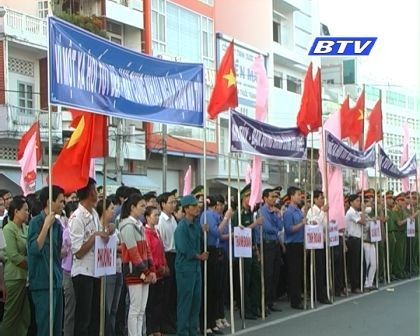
<point x="129" y="12"/>
<point x="23" y="28"/>
<point x="15" y="121"/>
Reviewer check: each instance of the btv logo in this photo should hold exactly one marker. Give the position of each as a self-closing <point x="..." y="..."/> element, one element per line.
<point x="342" y="46"/>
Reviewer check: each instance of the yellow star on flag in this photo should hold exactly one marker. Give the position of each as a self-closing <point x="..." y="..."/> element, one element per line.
<point x="77" y="133"/>
<point x="361" y="115"/>
<point x="231" y="79"/>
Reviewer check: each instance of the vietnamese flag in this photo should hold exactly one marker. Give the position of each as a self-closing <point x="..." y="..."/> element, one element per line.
<point x="309" y="117"/>
<point x="352" y="119"/>
<point x="225" y="92"/>
<point x="375" y="132"/>
<point x="72" y="167"/>
<point x="29" y="153"/>
<point x="100" y="132"/>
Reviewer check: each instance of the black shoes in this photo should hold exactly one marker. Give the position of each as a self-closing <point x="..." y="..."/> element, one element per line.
<point x="274" y="308"/>
<point x="299" y="306"/>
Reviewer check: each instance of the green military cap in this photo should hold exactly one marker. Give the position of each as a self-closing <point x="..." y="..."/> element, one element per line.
<point x="198" y="191"/>
<point x="246" y="190"/>
<point x="389" y="194"/>
<point x="414" y="195"/>
<point x="188" y="200"/>
<point x="400" y="197"/>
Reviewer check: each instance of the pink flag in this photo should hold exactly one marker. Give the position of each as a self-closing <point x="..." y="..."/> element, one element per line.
<point x="405" y="181"/>
<point x="256" y="183"/>
<point x="28" y="166"/>
<point x="363" y="180"/>
<point x="262" y="89"/>
<point x="335" y="175"/>
<point x="248" y="173"/>
<point x="92" y="171"/>
<point x="187" y="182"/>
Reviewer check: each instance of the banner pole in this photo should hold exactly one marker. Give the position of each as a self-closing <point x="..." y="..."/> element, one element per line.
<point x="262" y="274"/>
<point x="232" y="310"/>
<point x="205" y="221"/>
<point x="241" y="260"/>
<point x="305" y="261"/>
<point x="312" y="267"/>
<point x="50" y="197"/>
<point x="327" y="235"/>
<point x="376" y="216"/>
<point x="361" y="146"/>
<point x="103" y="278"/>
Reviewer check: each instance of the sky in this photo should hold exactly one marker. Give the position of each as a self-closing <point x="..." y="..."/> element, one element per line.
<point x="395" y="58"/>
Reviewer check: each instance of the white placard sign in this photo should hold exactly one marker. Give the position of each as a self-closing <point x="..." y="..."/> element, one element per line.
<point x="242" y="242"/>
<point x="375" y="231"/>
<point x="314" y="237"/>
<point x="105" y="256"/>
<point x="411" y="227"/>
<point x="334" y="238"/>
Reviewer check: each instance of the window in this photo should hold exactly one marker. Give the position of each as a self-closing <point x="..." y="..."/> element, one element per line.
<point x="42" y="8"/>
<point x="294" y="84"/>
<point x="115" y="32"/>
<point x="395" y="98"/>
<point x="278" y="79"/>
<point x="349" y="71"/>
<point x="158" y="26"/>
<point x="25" y="97"/>
<point x="207" y="41"/>
<point x="330" y="81"/>
<point x="208" y="2"/>
<point x="280" y="28"/>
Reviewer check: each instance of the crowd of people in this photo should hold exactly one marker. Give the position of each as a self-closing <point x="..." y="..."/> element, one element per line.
<point x="158" y="285"/>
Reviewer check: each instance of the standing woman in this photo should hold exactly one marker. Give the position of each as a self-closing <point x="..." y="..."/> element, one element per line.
<point x="137" y="264"/>
<point x="113" y="282"/>
<point x="17" y="315"/>
<point x="155" y="301"/>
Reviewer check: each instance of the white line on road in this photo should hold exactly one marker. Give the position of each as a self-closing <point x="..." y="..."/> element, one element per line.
<point x="352" y="298"/>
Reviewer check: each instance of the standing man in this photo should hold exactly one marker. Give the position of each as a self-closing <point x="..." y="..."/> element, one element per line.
<point x="272" y="225"/>
<point x="294" y="229"/>
<point x="166" y="228"/>
<point x="354" y="223"/>
<point x="84" y="228"/>
<point x="40" y="228"/>
<point x="318" y="214"/>
<point x="252" y="267"/>
<point x="188" y="268"/>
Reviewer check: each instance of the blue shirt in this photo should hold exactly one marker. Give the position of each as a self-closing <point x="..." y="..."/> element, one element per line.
<point x="38" y="259"/>
<point x="213" y="220"/>
<point x="272" y="223"/>
<point x="292" y="217"/>
<point x="187" y="245"/>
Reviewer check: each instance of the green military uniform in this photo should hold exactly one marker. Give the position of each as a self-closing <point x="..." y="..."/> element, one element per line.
<point x="392" y="240"/>
<point x="252" y="269"/>
<point x="400" y="244"/>
<point x="17" y="315"/>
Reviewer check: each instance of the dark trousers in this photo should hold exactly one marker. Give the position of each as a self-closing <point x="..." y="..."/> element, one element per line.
<point x="354" y="245"/>
<point x="272" y="262"/>
<point x="338" y="267"/>
<point x="321" y="275"/>
<point x="169" y="289"/>
<point x="294" y="256"/>
<point x="155" y="304"/>
<point x="252" y="284"/>
<point x="223" y="284"/>
<point x="86" y="317"/>
<point x="213" y="285"/>
<point x="42" y="313"/>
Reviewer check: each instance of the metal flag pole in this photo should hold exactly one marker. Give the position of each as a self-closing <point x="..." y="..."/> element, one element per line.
<point x="232" y="311"/>
<point x="327" y="235"/>
<point x="418" y="215"/>
<point x="103" y="278"/>
<point x="361" y="239"/>
<point x="241" y="260"/>
<point x="376" y="216"/>
<point x="51" y="278"/>
<point x="410" y="239"/>
<point x="312" y="266"/>
<point x="205" y="221"/>
<point x="305" y="261"/>
<point x="262" y="274"/>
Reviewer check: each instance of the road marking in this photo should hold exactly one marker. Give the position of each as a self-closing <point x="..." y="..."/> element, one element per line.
<point x="389" y="288"/>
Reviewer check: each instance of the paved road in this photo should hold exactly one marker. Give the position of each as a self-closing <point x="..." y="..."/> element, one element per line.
<point x="391" y="311"/>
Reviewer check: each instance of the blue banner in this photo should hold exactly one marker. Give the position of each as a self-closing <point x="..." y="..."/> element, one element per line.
<point x="343" y="155"/>
<point x="90" y="73"/>
<point x="253" y="137"/>
<point x="388" y="168"/>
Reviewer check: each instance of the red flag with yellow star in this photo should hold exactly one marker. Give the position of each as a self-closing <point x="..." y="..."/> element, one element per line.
<point x="71" y="169"/>
<point x="225" y="92"/>
<point x="352" y="119"/>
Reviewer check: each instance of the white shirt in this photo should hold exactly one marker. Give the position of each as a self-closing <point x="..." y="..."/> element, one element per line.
<point x="353" y="228"/>
<point x="167" y="226"/>
<point x="83" y="225"/>
<point x="315" y="214"/>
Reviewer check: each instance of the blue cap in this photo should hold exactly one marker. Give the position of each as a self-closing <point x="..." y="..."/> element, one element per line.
<point x="188" y="200"/>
